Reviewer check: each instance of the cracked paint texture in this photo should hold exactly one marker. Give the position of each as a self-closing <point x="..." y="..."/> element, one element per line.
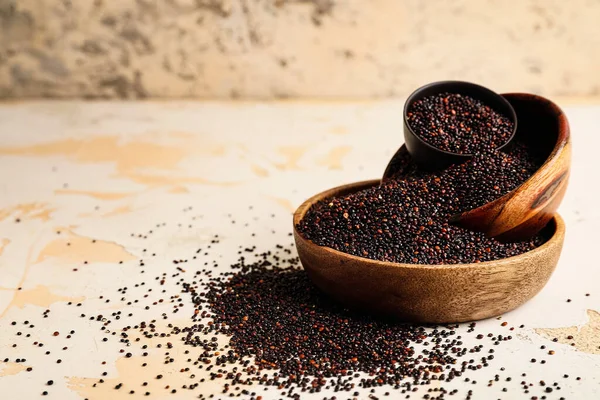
<point x="293" y="48"/>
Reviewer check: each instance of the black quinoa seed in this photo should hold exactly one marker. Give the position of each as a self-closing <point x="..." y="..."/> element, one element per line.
<point x="301" y="340"/>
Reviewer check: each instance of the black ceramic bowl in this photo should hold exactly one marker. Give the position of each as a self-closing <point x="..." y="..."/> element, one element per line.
<point x="430" y="157"/>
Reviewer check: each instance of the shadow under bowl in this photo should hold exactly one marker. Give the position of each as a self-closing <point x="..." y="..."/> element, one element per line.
<point x="427" y="293"/>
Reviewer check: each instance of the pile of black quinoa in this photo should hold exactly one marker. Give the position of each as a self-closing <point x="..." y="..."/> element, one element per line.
<point x="283" y="332"/>
<point x="406" y="218"/>
<point x="458" y="123"/>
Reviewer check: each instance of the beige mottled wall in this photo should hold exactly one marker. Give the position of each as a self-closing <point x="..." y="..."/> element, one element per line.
<point x="294" y="48"/>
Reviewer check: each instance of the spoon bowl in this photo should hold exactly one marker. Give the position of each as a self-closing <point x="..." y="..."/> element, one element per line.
<point x="524" y="211"/>
<point x="427" y="293"/>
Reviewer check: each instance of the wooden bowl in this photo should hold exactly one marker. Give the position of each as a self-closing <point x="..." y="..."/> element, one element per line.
<point x="524" y="211"/>
<point x="427" y="293"/>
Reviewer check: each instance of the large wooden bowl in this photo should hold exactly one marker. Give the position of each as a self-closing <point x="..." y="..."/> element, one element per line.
<point x="427" y="293"/>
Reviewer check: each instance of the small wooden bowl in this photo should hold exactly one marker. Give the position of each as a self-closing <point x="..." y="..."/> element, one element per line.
<point x="522" y="212"/>
<point x="427" y="293"/>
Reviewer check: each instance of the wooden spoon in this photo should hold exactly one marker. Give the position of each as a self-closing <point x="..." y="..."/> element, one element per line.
<point x="524" y="211"/>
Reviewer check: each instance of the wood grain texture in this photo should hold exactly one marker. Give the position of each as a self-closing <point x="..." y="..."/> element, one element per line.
<point x="524" y="211"/>
<point x="427" y="293"/>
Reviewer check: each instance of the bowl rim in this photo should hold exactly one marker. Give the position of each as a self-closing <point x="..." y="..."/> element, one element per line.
<point x="360" y="185"/>
<point x="441" y="84"/>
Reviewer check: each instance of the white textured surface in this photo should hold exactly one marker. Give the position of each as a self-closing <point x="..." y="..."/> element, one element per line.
<point x="104" y="170"/>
